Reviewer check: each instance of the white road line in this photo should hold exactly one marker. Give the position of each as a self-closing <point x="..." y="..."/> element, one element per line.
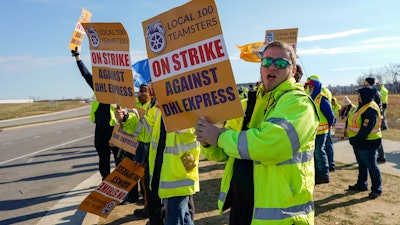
<point x="46" y="149"/>
<point x="65" y="211"/>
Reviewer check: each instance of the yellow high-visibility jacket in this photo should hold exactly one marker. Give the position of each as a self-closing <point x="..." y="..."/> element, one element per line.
<point x="282" y="148"/>
<point x="174" y="179"/>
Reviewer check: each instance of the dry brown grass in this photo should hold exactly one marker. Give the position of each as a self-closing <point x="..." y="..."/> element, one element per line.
<point x="333" y="204"/>
<point x="12" y="111"/>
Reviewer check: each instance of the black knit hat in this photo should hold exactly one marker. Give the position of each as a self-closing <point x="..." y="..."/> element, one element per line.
<point x="370" y="80"/>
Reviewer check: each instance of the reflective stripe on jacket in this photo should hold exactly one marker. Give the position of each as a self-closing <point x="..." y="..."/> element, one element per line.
<point x="174" y="179"/>
<point x="216" y="154"/>
<point x="282" y="149"/>
<point x="323" y="126"/>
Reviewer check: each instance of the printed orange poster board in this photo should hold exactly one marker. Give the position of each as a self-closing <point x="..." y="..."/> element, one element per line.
<point x="123" y="140"/>
<point x="113" y="189"/>
<point x="79" y="32"/>
<point x="286" y="35"/>
<point x="111" y="63"/>
<point x="189" y="66"/>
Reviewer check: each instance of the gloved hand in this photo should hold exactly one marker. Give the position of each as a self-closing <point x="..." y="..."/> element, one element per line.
<point x="189" y="162"/>
<point x="75" y="52"/>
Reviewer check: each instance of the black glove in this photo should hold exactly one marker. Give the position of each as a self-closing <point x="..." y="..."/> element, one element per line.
<point x="75" y="52"/>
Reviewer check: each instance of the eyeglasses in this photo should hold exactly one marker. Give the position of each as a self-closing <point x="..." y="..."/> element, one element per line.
<point x="279" y="63"/>
<point x="143" y="91"/>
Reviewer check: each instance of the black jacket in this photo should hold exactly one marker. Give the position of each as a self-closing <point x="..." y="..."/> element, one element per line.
<point x="102" y="114"/>
<point x="369" y="118"/>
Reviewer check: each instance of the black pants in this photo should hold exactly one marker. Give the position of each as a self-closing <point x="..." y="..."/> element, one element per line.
<point x="102" y="135"/>
<point x="242" y="193"/>
<point x="153" y="201"/>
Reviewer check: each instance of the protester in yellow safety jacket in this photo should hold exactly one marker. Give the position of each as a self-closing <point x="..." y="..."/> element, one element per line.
<point x="239" y="172"/>
<point x="168" y="173"/>
<point x="275" y="195"/>
<point x="365" y="137"/>
<point x="335" y="107"/>
<point x="101" y="116"/>
<point x="385" y="97"/>
<point x="95" y="106"/>
<point x="281" y="145"/>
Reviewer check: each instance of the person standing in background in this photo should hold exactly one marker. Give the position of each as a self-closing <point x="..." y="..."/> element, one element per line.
<point x="365" y="136"/>
<point x="173" y="166"/>
<point x="103" y="116"/>
<point x="328" y="143"/>
<point x="326" y="117"/>
<point x="335" y="108"/>
<point x="385" y="98"/>
<point x="370" y="82"/>
<point x="142" y="103"/>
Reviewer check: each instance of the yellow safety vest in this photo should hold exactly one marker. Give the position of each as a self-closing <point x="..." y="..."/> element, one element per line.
<point x="323" y="126"/>
<point x="355" y="123"/>
<point x="384" y="94"/>
<point x="95" y="106"/>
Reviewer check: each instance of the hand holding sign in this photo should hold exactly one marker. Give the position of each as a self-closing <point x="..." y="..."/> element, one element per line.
<point x="207" y="132"/>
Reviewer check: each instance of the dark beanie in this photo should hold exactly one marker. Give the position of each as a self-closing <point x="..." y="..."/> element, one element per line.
<point x="299" y="69"/>
<point x="370" y="80"/>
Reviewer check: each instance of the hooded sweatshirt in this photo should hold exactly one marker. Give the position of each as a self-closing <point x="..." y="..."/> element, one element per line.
<point x="326" y="107"/>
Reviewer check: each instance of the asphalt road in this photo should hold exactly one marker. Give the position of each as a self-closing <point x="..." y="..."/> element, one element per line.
<point x="41" y="163"/>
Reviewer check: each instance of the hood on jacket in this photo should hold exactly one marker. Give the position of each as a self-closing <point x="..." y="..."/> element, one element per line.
<point x="366" y="94"/>
<point x="317" y="87"/>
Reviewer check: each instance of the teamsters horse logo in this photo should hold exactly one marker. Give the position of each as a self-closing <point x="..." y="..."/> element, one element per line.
<point x="155" y="37"/>
<point x="93" y="37"/>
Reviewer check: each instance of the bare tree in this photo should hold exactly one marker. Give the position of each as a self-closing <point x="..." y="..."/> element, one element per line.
<point x="392" y="73"/>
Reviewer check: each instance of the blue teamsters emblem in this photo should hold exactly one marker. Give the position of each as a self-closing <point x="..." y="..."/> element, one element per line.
<point x="93" y="37"/>
<point x="270" y="37"/>
<point x="155" y="37"/>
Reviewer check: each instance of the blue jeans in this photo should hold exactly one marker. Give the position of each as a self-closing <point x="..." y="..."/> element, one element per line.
<point x="142" y="153"/>
<point x="178" y="211"/>
<point x="320" y="156"/>
<point x="329" y="150"/>
<point x="366" y="159"/>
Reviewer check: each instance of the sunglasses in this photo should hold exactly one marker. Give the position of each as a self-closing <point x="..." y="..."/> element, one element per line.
<point x="279" y="63"/>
